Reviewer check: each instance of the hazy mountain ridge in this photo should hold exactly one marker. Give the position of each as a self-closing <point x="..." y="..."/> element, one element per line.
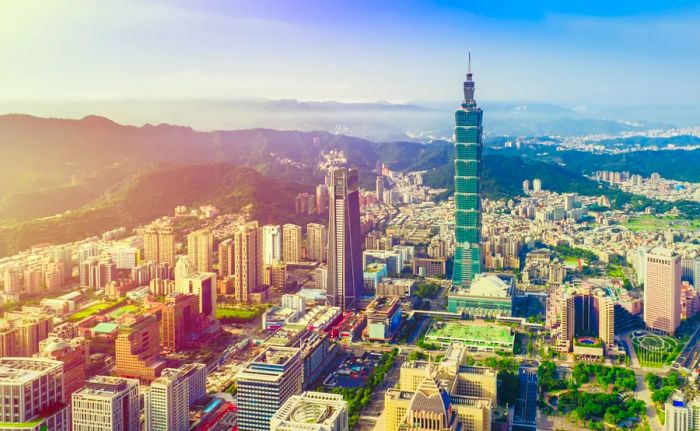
<point x="147" y="196"/>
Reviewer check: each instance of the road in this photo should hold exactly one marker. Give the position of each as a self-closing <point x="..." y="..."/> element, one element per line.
<point x="371" y="413"/>
<point x="644" y="394"/>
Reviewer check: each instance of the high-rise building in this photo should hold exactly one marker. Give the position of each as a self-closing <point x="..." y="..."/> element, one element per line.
<point x="225" y="259"/>
<point x="526" y="186"/>
<point x="200" y="250"/>
<point x="271" y="244"/>
<point x="246" y="256"/>
<point x="379" y="188"/>
<point x="75" y="355"/>
<point x="345" y="275"/>
<point x="312" y="411"/>
<point x="321" y="199"/>
<point x="468" y="149"/>
<point x="137" y="348"/>
<point x="305" y="203"/>
<point x="536" y="185"/>
<point x="183" y="270"/>
<point x="32" y="395"/>
<point x="291" y="240"/>
<point x="179" y="317"/>
<point x="275" y="275"/>
<point x="97" y="272"/>
<point x="584" y="314"/>
<point x="677" y="414"/>
<point x="265" y="384"/>
<point x="22" y="331"/>
<point x="13" y="280"/>
<point x="316" y="242"/>
<point x="202" y="284"/>
<point x="159" y="244"/>
<point x="107" y="403"/>
<point x="167" y="402"/>
<point x="662" y="291"/>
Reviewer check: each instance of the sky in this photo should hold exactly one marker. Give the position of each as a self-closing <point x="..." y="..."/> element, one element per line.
<point x="573" y="53"/>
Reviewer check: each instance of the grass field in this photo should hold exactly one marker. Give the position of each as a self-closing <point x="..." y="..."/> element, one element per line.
<point x="655" y="350"/>
<point x="652" y="222"/>
<point x="240" y="313"/>
<point x="123" y="310"/>
<point x="90" y="311"/>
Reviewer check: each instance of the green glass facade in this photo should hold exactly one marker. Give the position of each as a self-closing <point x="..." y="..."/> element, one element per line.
<point x="468" y="149"/>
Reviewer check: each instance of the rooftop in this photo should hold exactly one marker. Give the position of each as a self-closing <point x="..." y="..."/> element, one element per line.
<point x="472" y="332"/>
<point x="24" y="370"/>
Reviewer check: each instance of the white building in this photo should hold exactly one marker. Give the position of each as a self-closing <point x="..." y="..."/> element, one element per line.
<point x="167" y="402"/>
<point x="107" y="404"/>
<point x="31" y="390"/>
<point x="312" y="411"/>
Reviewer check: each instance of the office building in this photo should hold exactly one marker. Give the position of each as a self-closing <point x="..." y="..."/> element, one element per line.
<point x="265" y="384"/>
<point x="393" y="259"/>
<point x="247" y="256"/>
<point x="167" y="402"/>
<point x="180" y="317"/>
<point x="312" y="411"/>
<point x="383" y="318"/>
<point x="183" y="270"/>
<point x="271" y="244"/>
<point x="202" y="284"/>
<point x="587" y="323"/>
<point x="137" y="348"/>
<point x="74" y="353"/>
<point x="291" y="240"/>
<point x="662" y="291"/>
<point x="200" y="250"/>
<point x="468" y="148"/>
<point x="159" y="244"/>
<point x="321" y="199"/>
<point x="316" y="242"/>
<point x="677" y="413"/>
<point x="107" y="404"/>
<point x="31" y="390"/>
<point x="379" y="188"/>
<point x="225" y="259"/>
<point x="344" y="240"/>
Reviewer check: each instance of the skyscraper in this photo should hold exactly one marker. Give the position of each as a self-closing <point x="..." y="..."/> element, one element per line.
<point x="183" y="270"/>
<point x="379" y="188"/>
<point x="468" y="148"/>
<point x="246" y="263"/>
<point x="321" y="199"/>
<point x="316" y="242"/>
<point x="662" y="291"/>
<point x="291" y="240"/>
<point x="345" y="276"/>
<point x="200" y="249"/>
<point x="159" y="244"/>
<point x="271" y="244"/>
<point x="265" y="384"/>
<point x="225" y="258"/>
<point x="107" y="403"/>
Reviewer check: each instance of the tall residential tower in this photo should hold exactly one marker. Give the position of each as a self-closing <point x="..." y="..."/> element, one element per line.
<point x="468" y="147"/>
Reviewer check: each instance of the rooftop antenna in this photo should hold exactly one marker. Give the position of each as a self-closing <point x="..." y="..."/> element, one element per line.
<point x="469" y="66"/>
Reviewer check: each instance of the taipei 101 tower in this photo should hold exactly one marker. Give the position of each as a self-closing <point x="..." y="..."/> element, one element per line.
<point x="468" y="149"/>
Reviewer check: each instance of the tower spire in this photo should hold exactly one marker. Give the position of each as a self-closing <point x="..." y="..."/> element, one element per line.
<point x="469" y="83"/>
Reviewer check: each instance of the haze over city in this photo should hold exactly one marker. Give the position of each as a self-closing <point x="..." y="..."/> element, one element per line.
<point x="354" y="215"/>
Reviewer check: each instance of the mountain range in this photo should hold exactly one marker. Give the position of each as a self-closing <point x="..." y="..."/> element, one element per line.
<point x="66" y="179"/>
